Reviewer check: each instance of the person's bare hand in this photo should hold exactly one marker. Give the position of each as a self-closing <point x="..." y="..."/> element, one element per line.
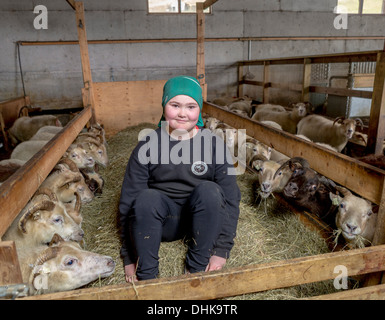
<point x="129" y="271"/>
<point x="215" y="263"/>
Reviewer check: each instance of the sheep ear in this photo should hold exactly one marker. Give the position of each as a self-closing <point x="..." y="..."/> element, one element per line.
<point x="336" y="200"/>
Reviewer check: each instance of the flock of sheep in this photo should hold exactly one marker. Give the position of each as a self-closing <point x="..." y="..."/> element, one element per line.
<point x="47" y="232"/>
<point x="353" y="217"/>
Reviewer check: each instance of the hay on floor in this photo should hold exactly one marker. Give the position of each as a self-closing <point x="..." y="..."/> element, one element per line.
<point x="264" y="234"/>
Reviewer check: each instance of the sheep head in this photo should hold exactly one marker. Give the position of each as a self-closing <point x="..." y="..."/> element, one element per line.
<point x="65" y="266"/>
<point x="348" y="126"/>
<point x="80" y="156"/>
<point x="42" y="218"/>
<point x="355" y="217"/>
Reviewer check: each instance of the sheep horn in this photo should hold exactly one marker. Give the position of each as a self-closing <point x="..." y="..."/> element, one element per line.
<point x="78" y="203"/>
<point x="56" y="239"/>
<point x="48" y="192"/>
<point x="303" y="162"/>
<point x="43" y="205"/>
<point x="359" y="122"/>
<point x="72" y="179"/>
<point x="71" y="165"/>
<point x="345" y="192"/>
<point x="339" y="119"/>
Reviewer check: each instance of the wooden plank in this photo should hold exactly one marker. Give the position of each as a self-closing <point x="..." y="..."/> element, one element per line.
<point x="363" y="80"/>
<point x="126" y="103"/>
<point x="240" y="80"/>
<point x="306" y="77"/>
<point x="368" y="293"/>
<point x="10" y="272"/>
<point x="210" y="39"/>
<point x="355" y="175"/>
<point x="208" y="3"/>
<point x="247" y="279"/>
<point x="16" y="191"/>
<point x="71" y="3"/>
<point x="376" y="132"/>
<point x="342" y="92"/>
<point x="266" y="85"/>
<point x="200" y="56"/>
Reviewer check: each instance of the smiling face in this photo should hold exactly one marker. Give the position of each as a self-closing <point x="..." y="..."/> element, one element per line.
<point x="182" y="113"/>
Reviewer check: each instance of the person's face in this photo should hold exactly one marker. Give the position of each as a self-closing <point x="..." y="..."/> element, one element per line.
<point x="182" y="113"/>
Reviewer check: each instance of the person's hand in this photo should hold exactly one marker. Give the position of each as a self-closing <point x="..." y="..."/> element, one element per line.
<point x="215" y="263"/>
<point x="129" y="270"/>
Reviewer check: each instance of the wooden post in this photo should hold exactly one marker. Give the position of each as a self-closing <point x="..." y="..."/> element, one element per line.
<point x="266" y="83"/>
<point x="240" y="80"/>
<point x="376" y="132"/>
<point x="201" y="76"/>
<point x="10" y="272"/>
<point x="84" y="56"/>
<point x="306" y="79"/>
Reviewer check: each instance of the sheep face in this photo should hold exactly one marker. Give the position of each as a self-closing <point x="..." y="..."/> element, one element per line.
<point x="347" y="128"/>
<point x="81" y="157"/>
<point x="212" y="123"/>
<point x="66" y="193"/>
<point x="43" y="224"/>
<point x="355" y="217"/>
<point x="299" y="109"/>
<point x="67" y="267"/>
<point x="269" y="182"/>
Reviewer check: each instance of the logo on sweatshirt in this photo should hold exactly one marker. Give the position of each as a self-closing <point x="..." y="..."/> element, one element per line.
<point x="199" y="168"/>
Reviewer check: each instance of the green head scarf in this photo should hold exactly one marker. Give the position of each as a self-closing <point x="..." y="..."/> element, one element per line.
<point x="188" y="86"/>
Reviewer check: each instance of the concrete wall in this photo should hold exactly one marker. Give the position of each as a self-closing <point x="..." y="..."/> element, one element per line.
<point x="52" y="74"/>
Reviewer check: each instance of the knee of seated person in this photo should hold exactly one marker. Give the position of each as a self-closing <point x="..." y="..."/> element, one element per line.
<point x="208" y="190"/>
<point x="147" y="198"/>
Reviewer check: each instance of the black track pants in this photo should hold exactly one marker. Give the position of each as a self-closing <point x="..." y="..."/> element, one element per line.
<point x="155" y="217"/>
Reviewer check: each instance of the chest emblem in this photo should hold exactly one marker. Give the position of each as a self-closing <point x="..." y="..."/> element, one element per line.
<point x="199" y="168"/>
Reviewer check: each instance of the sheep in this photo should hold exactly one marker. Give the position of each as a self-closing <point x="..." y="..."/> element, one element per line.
<point x="27" y="149"/>
<point x="25" y="127"/>
<point x="46" y="133"/>
<point x="334" y="133"/>
<point x="309" y="190"/>
<point x="287" y="120"/>
<point x="96" y="149"/>
<point x="8" y="167"/>
<point x="255" y="147"/>
<point x="212" y="123"/>
<point x="41" y="218"/>
<point x="228" y="134"/>
<point x="272" y="124"/>
<point x="270" y="107"/>
<point x="325" y="145"/>
<point x="269" y="182"/>
<point x="65" y="181"/>
<point x="241" y="107"/>
<point x="62" y="266"/>
<point x="355" y="218"/>
<point x="77" y="153"/>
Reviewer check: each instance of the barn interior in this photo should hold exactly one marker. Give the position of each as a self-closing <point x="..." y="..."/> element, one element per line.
<point x="90" y="62"/>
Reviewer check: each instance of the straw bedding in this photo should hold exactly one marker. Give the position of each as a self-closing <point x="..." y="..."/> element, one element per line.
<point x="266" y="232"/>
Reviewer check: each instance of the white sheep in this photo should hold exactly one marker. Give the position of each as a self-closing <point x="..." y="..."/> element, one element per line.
<point x="241" y="107"/>
<point x="65" y="181"/>
<point x="268" y="181"/>
<point x="334" y="133"/>
<point x="46" y="133"/>
<point x="24" y="128"/>
<point x="286" y="119"/>
<point x="40" y="219"/>
<point x="355" y="218"/>
<point x="62" y="266"/>
<point x="212" y="123"/>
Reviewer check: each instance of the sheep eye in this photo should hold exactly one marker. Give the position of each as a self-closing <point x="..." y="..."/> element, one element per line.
<point x="370" y="213"/>
<point x="100" y="152"/>
<point x="342" y="205"/>
<point x="71" y="261"/>
<point x="58" y="220"/>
